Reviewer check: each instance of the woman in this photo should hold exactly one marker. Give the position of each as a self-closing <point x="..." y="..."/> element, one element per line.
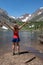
<point x="16" y="38"/>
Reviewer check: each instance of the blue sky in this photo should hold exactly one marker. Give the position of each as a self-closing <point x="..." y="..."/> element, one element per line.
<point x="19" y="7"/>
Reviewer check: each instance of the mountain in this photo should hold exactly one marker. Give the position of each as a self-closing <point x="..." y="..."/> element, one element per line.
<point x="5" y="17"/>
<point x="12" y="19"/>
<point x="24" y="17"/>
<point x="37" y="15"/>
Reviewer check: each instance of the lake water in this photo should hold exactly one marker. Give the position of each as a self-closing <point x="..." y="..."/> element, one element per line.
<point x="26" y="37"/>
<point x="28" y="40"/>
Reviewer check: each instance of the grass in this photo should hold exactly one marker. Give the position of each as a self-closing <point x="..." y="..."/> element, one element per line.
<point x="37" y="25"/>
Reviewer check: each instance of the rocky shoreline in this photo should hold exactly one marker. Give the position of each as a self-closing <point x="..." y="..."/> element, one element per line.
<point x="22" y="59"/>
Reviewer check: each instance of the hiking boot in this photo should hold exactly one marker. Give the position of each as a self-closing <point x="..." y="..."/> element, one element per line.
<point x="13" y="53"/>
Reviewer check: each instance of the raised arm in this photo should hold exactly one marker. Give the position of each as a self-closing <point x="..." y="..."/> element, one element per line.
<point x="9" y="26"/>
<point x="22" y="25"/>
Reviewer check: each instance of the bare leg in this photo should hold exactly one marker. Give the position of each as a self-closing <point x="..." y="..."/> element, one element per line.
<point x="18" y="47"/>
<point x="13" y="48"/>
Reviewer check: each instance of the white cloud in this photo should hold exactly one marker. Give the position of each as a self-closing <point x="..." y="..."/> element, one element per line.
<point x="41" y="7"/>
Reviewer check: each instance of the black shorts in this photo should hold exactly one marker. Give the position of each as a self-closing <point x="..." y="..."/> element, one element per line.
<point x="15" y="40"/>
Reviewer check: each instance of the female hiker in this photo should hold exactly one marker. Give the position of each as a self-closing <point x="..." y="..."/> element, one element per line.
<point x="16" y="38"/>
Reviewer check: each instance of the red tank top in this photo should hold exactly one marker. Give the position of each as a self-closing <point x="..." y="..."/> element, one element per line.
<point x="16" y="35"/>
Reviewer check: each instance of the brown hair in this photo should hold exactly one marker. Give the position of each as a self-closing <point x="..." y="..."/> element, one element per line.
<point x="16" y="27"/>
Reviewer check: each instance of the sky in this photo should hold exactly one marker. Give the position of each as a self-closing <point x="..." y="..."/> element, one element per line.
<point x="19" y="7"/>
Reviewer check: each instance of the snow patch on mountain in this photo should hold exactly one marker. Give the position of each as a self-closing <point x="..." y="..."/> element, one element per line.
<point x="39" y="13"/>
<point x="24" y="20"/>
<point x="28" y="17"/>
<point x="3" y="27"/>
<point x="21" y="17"/>
<point x="12" y="17"/>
